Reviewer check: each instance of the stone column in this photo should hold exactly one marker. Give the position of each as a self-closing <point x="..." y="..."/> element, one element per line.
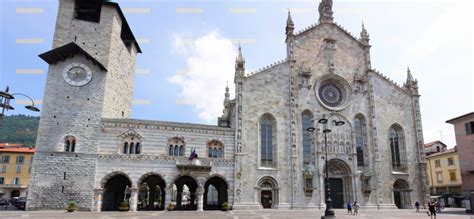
<point x="133" y="199"/>
<point x="98" y="199"/>
<point x="168" y="194"/>
<point x="200" y="199"/>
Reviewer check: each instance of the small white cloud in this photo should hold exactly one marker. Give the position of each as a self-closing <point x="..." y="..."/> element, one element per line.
<point x="210" y="63"/>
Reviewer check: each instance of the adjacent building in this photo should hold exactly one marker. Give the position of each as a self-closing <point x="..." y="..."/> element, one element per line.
<point x="260" y="155"/>
<point x="435" y="147"/>
<point x="15" y="168"/>
<point x="445" y="176"/>
<point x="464" y="131"/>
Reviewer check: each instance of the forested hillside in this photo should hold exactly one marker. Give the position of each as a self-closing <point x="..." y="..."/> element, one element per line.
<point x="19" y="129"/>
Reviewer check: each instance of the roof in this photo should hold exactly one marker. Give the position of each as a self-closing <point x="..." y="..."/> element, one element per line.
<point x="67" y="51"/>
<point x="452" y="150"/>
<point x="460" y="117"/>
<point x="427" y="145"/>
<point x="15" y="148"/>
<point x="128" y="34"/>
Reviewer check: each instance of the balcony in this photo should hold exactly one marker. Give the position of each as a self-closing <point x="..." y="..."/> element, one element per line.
<point x="13" y="186"/>
<point x="196" y="165"/>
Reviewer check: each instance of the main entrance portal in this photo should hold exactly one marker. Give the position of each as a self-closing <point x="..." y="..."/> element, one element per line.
<point x="337" y="192"/>
<point x="266" y="197"/>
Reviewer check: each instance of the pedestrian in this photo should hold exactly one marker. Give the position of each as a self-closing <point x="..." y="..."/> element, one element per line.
<point x="349" y="207"/>
<point x="417" y="206"/>
<point x="356" y="207"/>
<point x="432" y="209"/>
<point x="438" y="206"/>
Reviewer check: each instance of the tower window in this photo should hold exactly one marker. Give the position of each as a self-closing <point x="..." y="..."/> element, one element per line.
<point x="87" y="10"/>
<point x="69" y="143"/>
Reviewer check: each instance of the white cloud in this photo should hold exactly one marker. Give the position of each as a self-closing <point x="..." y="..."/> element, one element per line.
<point x="210" y="63"/>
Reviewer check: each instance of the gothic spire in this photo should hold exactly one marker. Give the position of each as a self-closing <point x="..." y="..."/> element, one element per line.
<point x="240" y="58"/>
<point x="409" y="77"/>
<point x="364" y="36"/>
<point x="227" y="95"/>
<point x="325" y="11"/>
<point x="290" y="26"/>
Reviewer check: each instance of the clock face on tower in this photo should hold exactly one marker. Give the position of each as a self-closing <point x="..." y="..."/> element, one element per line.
<point x="77" y="74"/>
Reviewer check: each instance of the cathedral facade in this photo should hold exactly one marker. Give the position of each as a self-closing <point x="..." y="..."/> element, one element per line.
<point x="323" y="104"/>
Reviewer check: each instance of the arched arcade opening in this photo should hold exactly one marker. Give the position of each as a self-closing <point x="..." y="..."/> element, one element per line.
<point x="116" y="191"/>
<point x="151" y="193"/>
<point x="215" y="193"/>
<point x="184" y="193"/>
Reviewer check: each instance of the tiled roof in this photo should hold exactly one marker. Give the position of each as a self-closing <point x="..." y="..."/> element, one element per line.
<point x="15" y="148"/>
<point x="427" y="145"/>
<point x="452" y="150"/>
<point x="459" y="117"/>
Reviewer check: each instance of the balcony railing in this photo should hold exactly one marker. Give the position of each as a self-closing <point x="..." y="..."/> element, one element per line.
<point x="184" y="164"/>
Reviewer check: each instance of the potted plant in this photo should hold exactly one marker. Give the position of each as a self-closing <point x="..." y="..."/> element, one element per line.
<point x="225" y="206"/>
<point x="71" y="207"/>
<point x="124" y="206"/>
<point x="170" y="207"/>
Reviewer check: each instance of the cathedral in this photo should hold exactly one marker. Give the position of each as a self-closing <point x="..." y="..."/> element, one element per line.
<point x="320" y="117"/>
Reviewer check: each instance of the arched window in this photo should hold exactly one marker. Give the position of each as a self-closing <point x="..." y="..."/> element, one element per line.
<point x="360" y="137"/>
<point x="137" y="148"/>
<point x="306" y="123"/>
<point x="397" y="146"/>
<point x="215" y="149"/>
<point x="125" y="148"/>
<point x="69" y="143"/>
<point x="131" y="142"/>
<point x="267" y="140"/>
<point x="177" y="146"/>
<point x="181" y="150"/>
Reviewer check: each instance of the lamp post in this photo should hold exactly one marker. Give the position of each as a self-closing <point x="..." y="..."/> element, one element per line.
<point x="5" y="98"/>
<point x="329" y="212"/>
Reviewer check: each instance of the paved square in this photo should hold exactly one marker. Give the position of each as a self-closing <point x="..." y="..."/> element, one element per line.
<point x="258" y="214"/>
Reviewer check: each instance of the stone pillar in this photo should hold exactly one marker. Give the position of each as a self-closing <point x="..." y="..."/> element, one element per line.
<point x="168" y="194"/>
<point x="200" y="199"/>
<point x="98" y="199"/>
<point x="133" y="199"/>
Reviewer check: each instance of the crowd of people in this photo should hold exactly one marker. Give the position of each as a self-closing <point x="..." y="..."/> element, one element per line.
<point x="433" y="208"/>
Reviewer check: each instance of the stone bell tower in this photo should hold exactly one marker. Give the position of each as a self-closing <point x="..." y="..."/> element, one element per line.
<point x="90" y="77"/>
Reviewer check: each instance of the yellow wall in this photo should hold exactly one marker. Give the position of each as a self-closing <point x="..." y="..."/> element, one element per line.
<point x="11" y="168"/>
<point x="445" y="169"/>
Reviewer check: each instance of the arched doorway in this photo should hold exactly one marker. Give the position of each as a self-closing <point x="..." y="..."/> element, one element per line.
<point x="267" y="192"/>
<point x="116" y="190"/>
<point x="340" y="183"/>
<point x="15" y="193"/>
<point x="185" y="193"/>
<point x="215" y="193"/>
<point x="151" y="192"/>
<point x="401" y="194"/>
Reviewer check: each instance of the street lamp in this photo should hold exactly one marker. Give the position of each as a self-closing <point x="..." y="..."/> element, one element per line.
<point x="329" y="212"/>
<point x="5" y="98"/>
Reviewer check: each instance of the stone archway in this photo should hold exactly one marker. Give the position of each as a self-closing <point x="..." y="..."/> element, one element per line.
<point x="267" y="192"/>
<point x="340" y="183"/>
<point x="401" y="194"/>
<point x="116" y="190"/>
<point x="15" y="193"/>
<point x="215" y="193"/>
<point x="151" y="192"/>
<point x="185" y="193"/>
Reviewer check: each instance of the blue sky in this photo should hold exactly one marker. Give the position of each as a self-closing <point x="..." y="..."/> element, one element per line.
<point x="189" y="48"/>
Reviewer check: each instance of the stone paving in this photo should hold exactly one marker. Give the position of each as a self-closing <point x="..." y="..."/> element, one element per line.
<point x="258" y="214"/>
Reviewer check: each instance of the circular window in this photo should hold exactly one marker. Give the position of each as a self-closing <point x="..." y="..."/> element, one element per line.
<point x="333" y="92"/>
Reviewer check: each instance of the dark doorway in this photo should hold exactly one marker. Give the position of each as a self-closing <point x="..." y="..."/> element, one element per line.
<point x="266" y="199"/>
<point x="191" y="184"/>
<point x="337" y="192"/>
<point x="15" y="193"/>
<point x="151" y="194"/>
<point x="116" y="190"/>
<point x="398" y="199"/>
<point x="215" y="193"/>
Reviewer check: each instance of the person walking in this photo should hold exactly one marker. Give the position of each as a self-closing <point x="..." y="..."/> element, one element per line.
<point x="417" y="206"/>
<point x="349" y="207"/>
<point x="356" y="207"/>
<point x="432" y="209"/>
